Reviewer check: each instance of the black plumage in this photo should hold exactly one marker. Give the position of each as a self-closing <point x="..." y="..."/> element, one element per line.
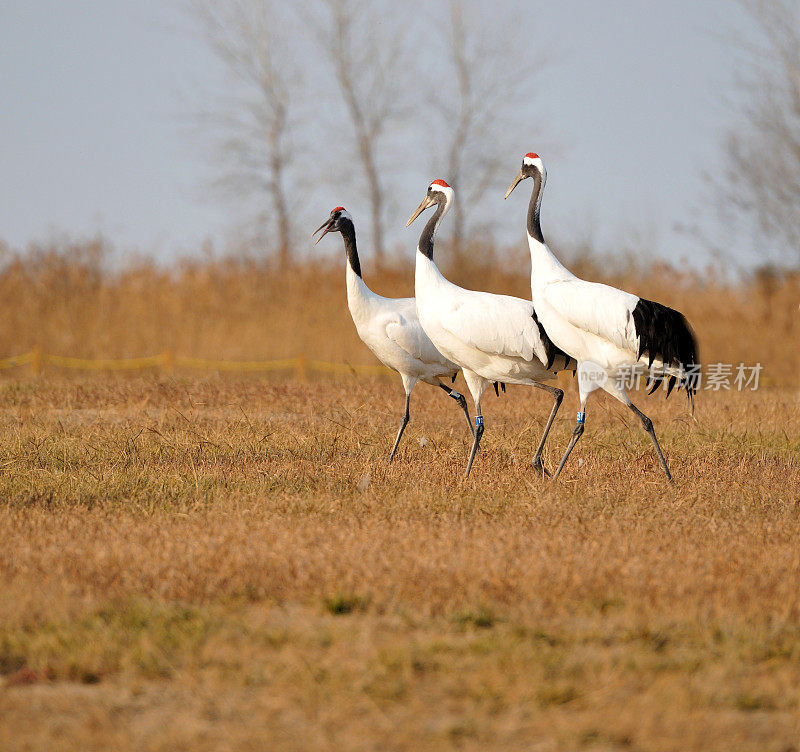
<point x="665" y="335"/>
<point x="549" y="347"/>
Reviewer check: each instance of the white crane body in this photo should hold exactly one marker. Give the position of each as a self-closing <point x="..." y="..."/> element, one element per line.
<point x="608" y="331"/>
<point x="390" y="327"/>
<point x="492" y="338"/>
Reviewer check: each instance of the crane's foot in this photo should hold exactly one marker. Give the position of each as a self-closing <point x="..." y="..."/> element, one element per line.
<point x="538" y="465"/>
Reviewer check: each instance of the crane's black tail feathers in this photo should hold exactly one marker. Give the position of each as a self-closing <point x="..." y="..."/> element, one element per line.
<point x="550" y="349"/>
<point x="665" y="335"/>
<point x="496" y="390"/>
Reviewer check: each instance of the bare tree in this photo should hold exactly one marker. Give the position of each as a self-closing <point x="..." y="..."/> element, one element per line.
<point x="761" y="179"/>
<point x="491" y="76"/>
<point x="251" y="123"/>
<point x="367" y="66"/>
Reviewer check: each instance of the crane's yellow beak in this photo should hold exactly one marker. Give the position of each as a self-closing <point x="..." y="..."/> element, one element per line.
<point x="326" y="226"/>
<point x="426" y="202"/>
<point x="520" y="177"/>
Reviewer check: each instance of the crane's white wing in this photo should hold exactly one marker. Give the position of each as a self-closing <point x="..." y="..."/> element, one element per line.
<point x="407" y="333"/>
<point x="495" y="325"/>
<point x="599" y="309"/>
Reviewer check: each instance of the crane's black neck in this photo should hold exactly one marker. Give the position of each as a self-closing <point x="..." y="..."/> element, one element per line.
<point x="426" y="238"/>
<point x="534" y="226"/>
<point x="349" y="235"/>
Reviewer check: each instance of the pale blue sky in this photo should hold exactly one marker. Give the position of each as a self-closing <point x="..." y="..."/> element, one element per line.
<point x="97" y="95"/>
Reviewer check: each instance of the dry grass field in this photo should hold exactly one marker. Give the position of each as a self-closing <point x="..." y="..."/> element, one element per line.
<point x="191" y="561"/>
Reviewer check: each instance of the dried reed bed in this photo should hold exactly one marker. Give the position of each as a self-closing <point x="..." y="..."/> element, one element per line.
<point x="64" y="299"/>
<point x="211" y="563"/>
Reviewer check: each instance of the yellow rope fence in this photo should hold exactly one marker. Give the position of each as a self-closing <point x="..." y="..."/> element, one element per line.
<point x="300" y="365"/>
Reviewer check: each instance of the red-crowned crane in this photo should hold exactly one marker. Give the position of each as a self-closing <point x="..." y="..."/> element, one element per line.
<point x="607" y="331"/>
<point x="390" y="327"/>
<point x="490" y="337"/>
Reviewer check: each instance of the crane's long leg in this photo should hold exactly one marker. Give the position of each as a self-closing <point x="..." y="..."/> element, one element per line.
<point x="476" y="441"/>
<point x="406" y="418"/>
<point x="558" y="396"/>
<point x="577" y="432"/>
<point x="648" y="426"/>
<point x="476" y="385"/>
<point x="462" y="403"/>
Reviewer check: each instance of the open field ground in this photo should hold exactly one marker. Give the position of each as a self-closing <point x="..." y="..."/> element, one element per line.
<point x="206" y="563"/>
<point x="214" y="564"/>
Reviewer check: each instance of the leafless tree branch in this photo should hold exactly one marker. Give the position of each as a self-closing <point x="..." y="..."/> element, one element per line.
<point x="252" y="126"/>
<point x="760" y="182"/>
<point x="484" y="83"/>
<point x="368" y="67"/>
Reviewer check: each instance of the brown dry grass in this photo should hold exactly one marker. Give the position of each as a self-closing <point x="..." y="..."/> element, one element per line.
<point x="60" y="298"/>
<point x="209" y="563"/>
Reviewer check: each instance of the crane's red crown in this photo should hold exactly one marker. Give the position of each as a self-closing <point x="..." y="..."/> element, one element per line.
<point x="531" y="155"/>
<point x="440" y="182"/>
<point x="338" y="208"/>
